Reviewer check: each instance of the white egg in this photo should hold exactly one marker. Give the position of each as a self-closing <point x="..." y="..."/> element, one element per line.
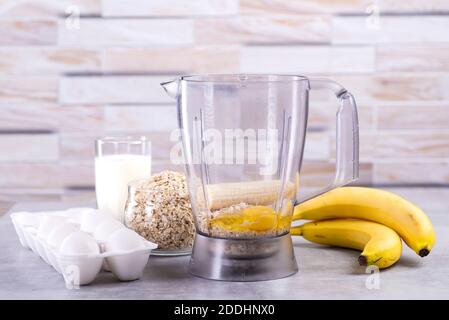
<point x="91" y="219"/>
<point x="76" y="210"/>
<point x="106" y="228"/>
<point x="75" y="214"/>
<point x="58" y="234"/>
<point x="28" y="219"/>
<point x="48" y="223"/>
<point x="124" y="240"/>
<point x="79" y="243"/>
<point x="59" y="213"/>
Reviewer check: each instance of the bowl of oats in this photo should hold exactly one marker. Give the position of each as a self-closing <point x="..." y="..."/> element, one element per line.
<point x="158" y="208"/>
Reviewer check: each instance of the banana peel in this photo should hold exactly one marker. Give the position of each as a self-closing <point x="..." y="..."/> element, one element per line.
<point x="379" y="245"/>
<point x="374" y="205"/>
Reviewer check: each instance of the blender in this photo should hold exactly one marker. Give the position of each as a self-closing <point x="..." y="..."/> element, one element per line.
<point x="243" y="139"/>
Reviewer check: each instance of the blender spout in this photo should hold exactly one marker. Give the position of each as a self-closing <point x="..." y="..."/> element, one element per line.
<point x="171" y="87"/>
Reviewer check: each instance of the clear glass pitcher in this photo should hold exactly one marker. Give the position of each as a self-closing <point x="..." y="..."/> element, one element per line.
<point x="243" y="139"/>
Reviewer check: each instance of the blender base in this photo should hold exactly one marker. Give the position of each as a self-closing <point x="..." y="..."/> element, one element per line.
<point x="242" y="259"/>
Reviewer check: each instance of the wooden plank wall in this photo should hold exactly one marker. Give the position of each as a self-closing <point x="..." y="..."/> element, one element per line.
<point x="62" y="86"/>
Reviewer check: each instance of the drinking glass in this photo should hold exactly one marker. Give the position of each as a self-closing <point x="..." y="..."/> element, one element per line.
<point x="118" y="161"/>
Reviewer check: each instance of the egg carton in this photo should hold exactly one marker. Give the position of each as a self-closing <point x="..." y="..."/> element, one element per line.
<point x="78" y="243"/>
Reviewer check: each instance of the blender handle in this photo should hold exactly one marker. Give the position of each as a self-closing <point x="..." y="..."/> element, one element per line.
<point x="347" y="140"/>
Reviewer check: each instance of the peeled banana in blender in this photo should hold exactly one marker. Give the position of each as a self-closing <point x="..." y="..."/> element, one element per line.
<point x="380" y="245"/>
<point x="264" y="192"/>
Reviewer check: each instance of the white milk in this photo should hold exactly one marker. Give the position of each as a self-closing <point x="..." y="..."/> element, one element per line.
<point x="112" y="175"/>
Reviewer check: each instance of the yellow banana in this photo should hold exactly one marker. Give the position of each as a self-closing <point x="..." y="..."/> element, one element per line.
<point x="380" y="245"/>
<point x="384" y="207"/>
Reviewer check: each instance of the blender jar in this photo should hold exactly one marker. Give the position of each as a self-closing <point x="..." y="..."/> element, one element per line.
<point x="243" y="138"/>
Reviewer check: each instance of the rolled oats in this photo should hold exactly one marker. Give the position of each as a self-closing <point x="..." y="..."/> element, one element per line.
<point x="159" y="209"/>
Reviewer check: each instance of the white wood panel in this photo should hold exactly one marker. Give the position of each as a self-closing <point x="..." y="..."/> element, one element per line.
<point x="397" y="87"/>
<point x="428" y="115"/>
<point x="306" y="59"/>
<point x="140" y="118"/>
<point x="413" y="58"/>
<point x="47" y="8"/>
<point x="412" y="172"/>
<point x="29" y="147"/>
<point x="28" y="32"/>
<point x="391" y="29"/>
<point x="165" y="8"/>
<point x="101" y="79"/>
<point x="44" y="61"/>
<point x="78" y="145"/>
<point x="127" y="32"/>
<point x="28" y="89"/>
<point x="404" y="145"/>
<point x="50" y="116"/>
<point x="429" y="144"/>
<point x="197" y="59"/>
<point x="272" y="29"/>
<point x="47" y="175"/>
<point x="76" y="173"/>
<point x="113" y="89"/>
<point x="413" y="6"/>
<point x="267" y="7"/>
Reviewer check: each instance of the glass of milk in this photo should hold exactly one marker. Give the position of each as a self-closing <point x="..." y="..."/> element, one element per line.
<point x="118" y="161"/>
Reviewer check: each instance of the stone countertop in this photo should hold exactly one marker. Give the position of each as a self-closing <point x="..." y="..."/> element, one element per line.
<point x="324" y="273"/>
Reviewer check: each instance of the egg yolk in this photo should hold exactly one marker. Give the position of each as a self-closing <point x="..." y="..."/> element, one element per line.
<point x="254" y="218"/>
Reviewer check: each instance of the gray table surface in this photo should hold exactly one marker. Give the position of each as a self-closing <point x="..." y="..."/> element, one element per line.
<point x="324" y="273"/>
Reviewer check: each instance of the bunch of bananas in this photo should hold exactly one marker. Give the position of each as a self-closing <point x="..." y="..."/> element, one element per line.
<point x="370" y="220"/>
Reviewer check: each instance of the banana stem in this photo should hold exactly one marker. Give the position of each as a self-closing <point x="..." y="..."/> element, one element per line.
<point x="363" y="261"/>
<point x="296" y="231"/>
<point x="296" y="213"/>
